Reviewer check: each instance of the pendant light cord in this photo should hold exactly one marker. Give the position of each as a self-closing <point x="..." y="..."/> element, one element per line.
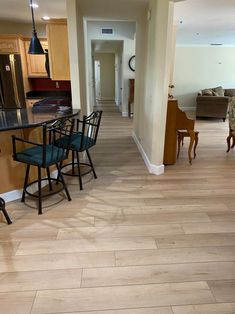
<point x="31" y="5"/>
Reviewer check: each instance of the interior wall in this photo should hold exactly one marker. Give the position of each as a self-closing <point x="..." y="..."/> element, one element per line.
<point x="77" y="56"/>
<point x="156" y="27"/>
<point x="198" y="68"/>
<point x="24" y="29"/>
<point x="107" y="75"/>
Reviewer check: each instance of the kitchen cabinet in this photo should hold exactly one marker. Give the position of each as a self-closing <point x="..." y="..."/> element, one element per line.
<point x="12" y="173"/>
<point x="36" y="63"/>
<point x="58" y="50"/>
<point x="9" y="44"/>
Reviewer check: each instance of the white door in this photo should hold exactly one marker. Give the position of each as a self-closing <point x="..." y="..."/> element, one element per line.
<point x="97" y="80"/>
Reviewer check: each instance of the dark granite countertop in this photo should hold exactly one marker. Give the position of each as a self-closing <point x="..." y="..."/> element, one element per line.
<point x="47" y="93"/>
<point x="13" y="119"/>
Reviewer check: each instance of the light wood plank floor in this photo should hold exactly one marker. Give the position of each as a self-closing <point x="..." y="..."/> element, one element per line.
<point x="130" y="242"/>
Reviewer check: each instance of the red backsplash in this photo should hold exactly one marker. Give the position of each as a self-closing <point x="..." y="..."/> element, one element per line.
<point x="48" y="84"/>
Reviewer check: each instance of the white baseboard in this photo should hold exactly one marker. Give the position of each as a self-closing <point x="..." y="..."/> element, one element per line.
<point x="11" y="195"/>
<point x="16" y="194"/>
<point x="124" y="114"/>
<point x="155" y="169"/>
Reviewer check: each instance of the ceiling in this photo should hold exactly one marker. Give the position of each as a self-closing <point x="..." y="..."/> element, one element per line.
<point x="203" y="22"/>
<point x="199" y="21"/>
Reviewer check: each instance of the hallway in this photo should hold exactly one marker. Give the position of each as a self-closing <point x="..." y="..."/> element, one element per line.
<point x="130" y="242"/>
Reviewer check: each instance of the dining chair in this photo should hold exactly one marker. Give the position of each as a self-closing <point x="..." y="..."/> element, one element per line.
<point x="44" y="155"/>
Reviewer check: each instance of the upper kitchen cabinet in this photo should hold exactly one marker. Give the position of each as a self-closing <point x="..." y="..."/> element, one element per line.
<point x="9" y="44"/>
<point x="58" y="50"/>
<point x="36" y="63"/>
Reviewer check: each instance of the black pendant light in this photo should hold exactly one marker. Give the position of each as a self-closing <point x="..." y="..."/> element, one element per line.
<point x="35" y="46"/>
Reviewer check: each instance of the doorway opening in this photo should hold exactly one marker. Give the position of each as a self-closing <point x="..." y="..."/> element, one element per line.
<point x="107" y="71"/>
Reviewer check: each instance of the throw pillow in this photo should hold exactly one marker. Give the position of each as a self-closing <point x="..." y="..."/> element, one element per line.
<point x="207" y="92"/>
<point x="218" y="91"/>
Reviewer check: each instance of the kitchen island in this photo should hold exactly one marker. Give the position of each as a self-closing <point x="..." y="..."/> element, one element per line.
<point x="25" y="124"/>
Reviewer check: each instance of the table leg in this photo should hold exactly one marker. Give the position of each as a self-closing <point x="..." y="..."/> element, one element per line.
<point x="192" y="140"/>
<point x="195" y="144"/>
<point x="179" y="138"/>
<point x="228" y="142"/>
<point x="233" y="144"/>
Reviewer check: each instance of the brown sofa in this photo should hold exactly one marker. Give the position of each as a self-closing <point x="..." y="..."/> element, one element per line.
<point x="212" y="104"/>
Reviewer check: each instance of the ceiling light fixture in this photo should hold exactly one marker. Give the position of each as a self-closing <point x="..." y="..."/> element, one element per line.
<point x="46" y="18"/>
<point x="35" y="46"/>
<point x="34" y="5"/>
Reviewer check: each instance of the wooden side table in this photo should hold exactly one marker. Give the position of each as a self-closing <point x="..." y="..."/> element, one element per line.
<point x="181" y="134"/>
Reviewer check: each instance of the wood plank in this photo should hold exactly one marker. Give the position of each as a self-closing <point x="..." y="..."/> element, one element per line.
<point x="149" y="274"/>
<point x="56" y="261"/>
<point x="119" y="231"/>
<point x="17" y="302"/>
<point x="196" y="240"/>
<point x="223" y="291"/>
<point x="107" y="298"/>
<point x="178" y="255"/>
<point x="221" y="308"/>
<point x="92" y="245"/>
<point x="40" y="280"/>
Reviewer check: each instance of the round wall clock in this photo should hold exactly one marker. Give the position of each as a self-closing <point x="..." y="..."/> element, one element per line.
<point x="132" y="63"/>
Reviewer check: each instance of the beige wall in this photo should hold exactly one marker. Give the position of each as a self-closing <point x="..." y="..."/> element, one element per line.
<point x="157" y="28"/>
<point x="24" y="29"/>
<point x="77" y="56"/>
<point x="107" y="75"/>
<point x="202" y="67"/>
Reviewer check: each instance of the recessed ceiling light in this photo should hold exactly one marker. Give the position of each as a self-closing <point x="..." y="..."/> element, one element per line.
<point x="46" y="18"/>
<point x="34" y="5"/>
<point x="197" y="34"/>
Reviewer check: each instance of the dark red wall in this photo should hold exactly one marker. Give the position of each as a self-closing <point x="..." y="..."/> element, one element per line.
<point x="47" y="84"/>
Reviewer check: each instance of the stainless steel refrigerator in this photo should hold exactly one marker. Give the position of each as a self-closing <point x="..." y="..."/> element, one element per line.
<point x="11" y="82"/>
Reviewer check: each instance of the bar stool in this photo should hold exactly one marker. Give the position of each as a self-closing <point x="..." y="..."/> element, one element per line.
<point x="181" y="134"/>
<point x="43" y="156"/>
<point x="83" y="138"/>
<point x="3" y="209"/>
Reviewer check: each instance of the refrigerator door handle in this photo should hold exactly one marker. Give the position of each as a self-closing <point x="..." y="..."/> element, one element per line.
<point x="1" y="93"/>
<point x="13" y="74"/>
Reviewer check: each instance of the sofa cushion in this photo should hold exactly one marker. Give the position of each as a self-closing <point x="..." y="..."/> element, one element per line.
<point x="207" y="92"/>
<point x="229" y="92"/>
<point x="218" y="91"/>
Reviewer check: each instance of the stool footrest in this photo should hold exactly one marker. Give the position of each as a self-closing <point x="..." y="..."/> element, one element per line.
<point x="45" y="194"/>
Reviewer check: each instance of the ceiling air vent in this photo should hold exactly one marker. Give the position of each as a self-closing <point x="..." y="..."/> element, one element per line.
<point x="107" y="31"/>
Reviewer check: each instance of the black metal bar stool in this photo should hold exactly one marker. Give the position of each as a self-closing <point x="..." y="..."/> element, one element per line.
<point x="83" y="138"/>
<point x="3" y="209"/>
<point x="44" y="155"/>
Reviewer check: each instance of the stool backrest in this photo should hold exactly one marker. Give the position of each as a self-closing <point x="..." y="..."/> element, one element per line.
<point x="89" y="127"/>
<point x="51" y="134"/>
